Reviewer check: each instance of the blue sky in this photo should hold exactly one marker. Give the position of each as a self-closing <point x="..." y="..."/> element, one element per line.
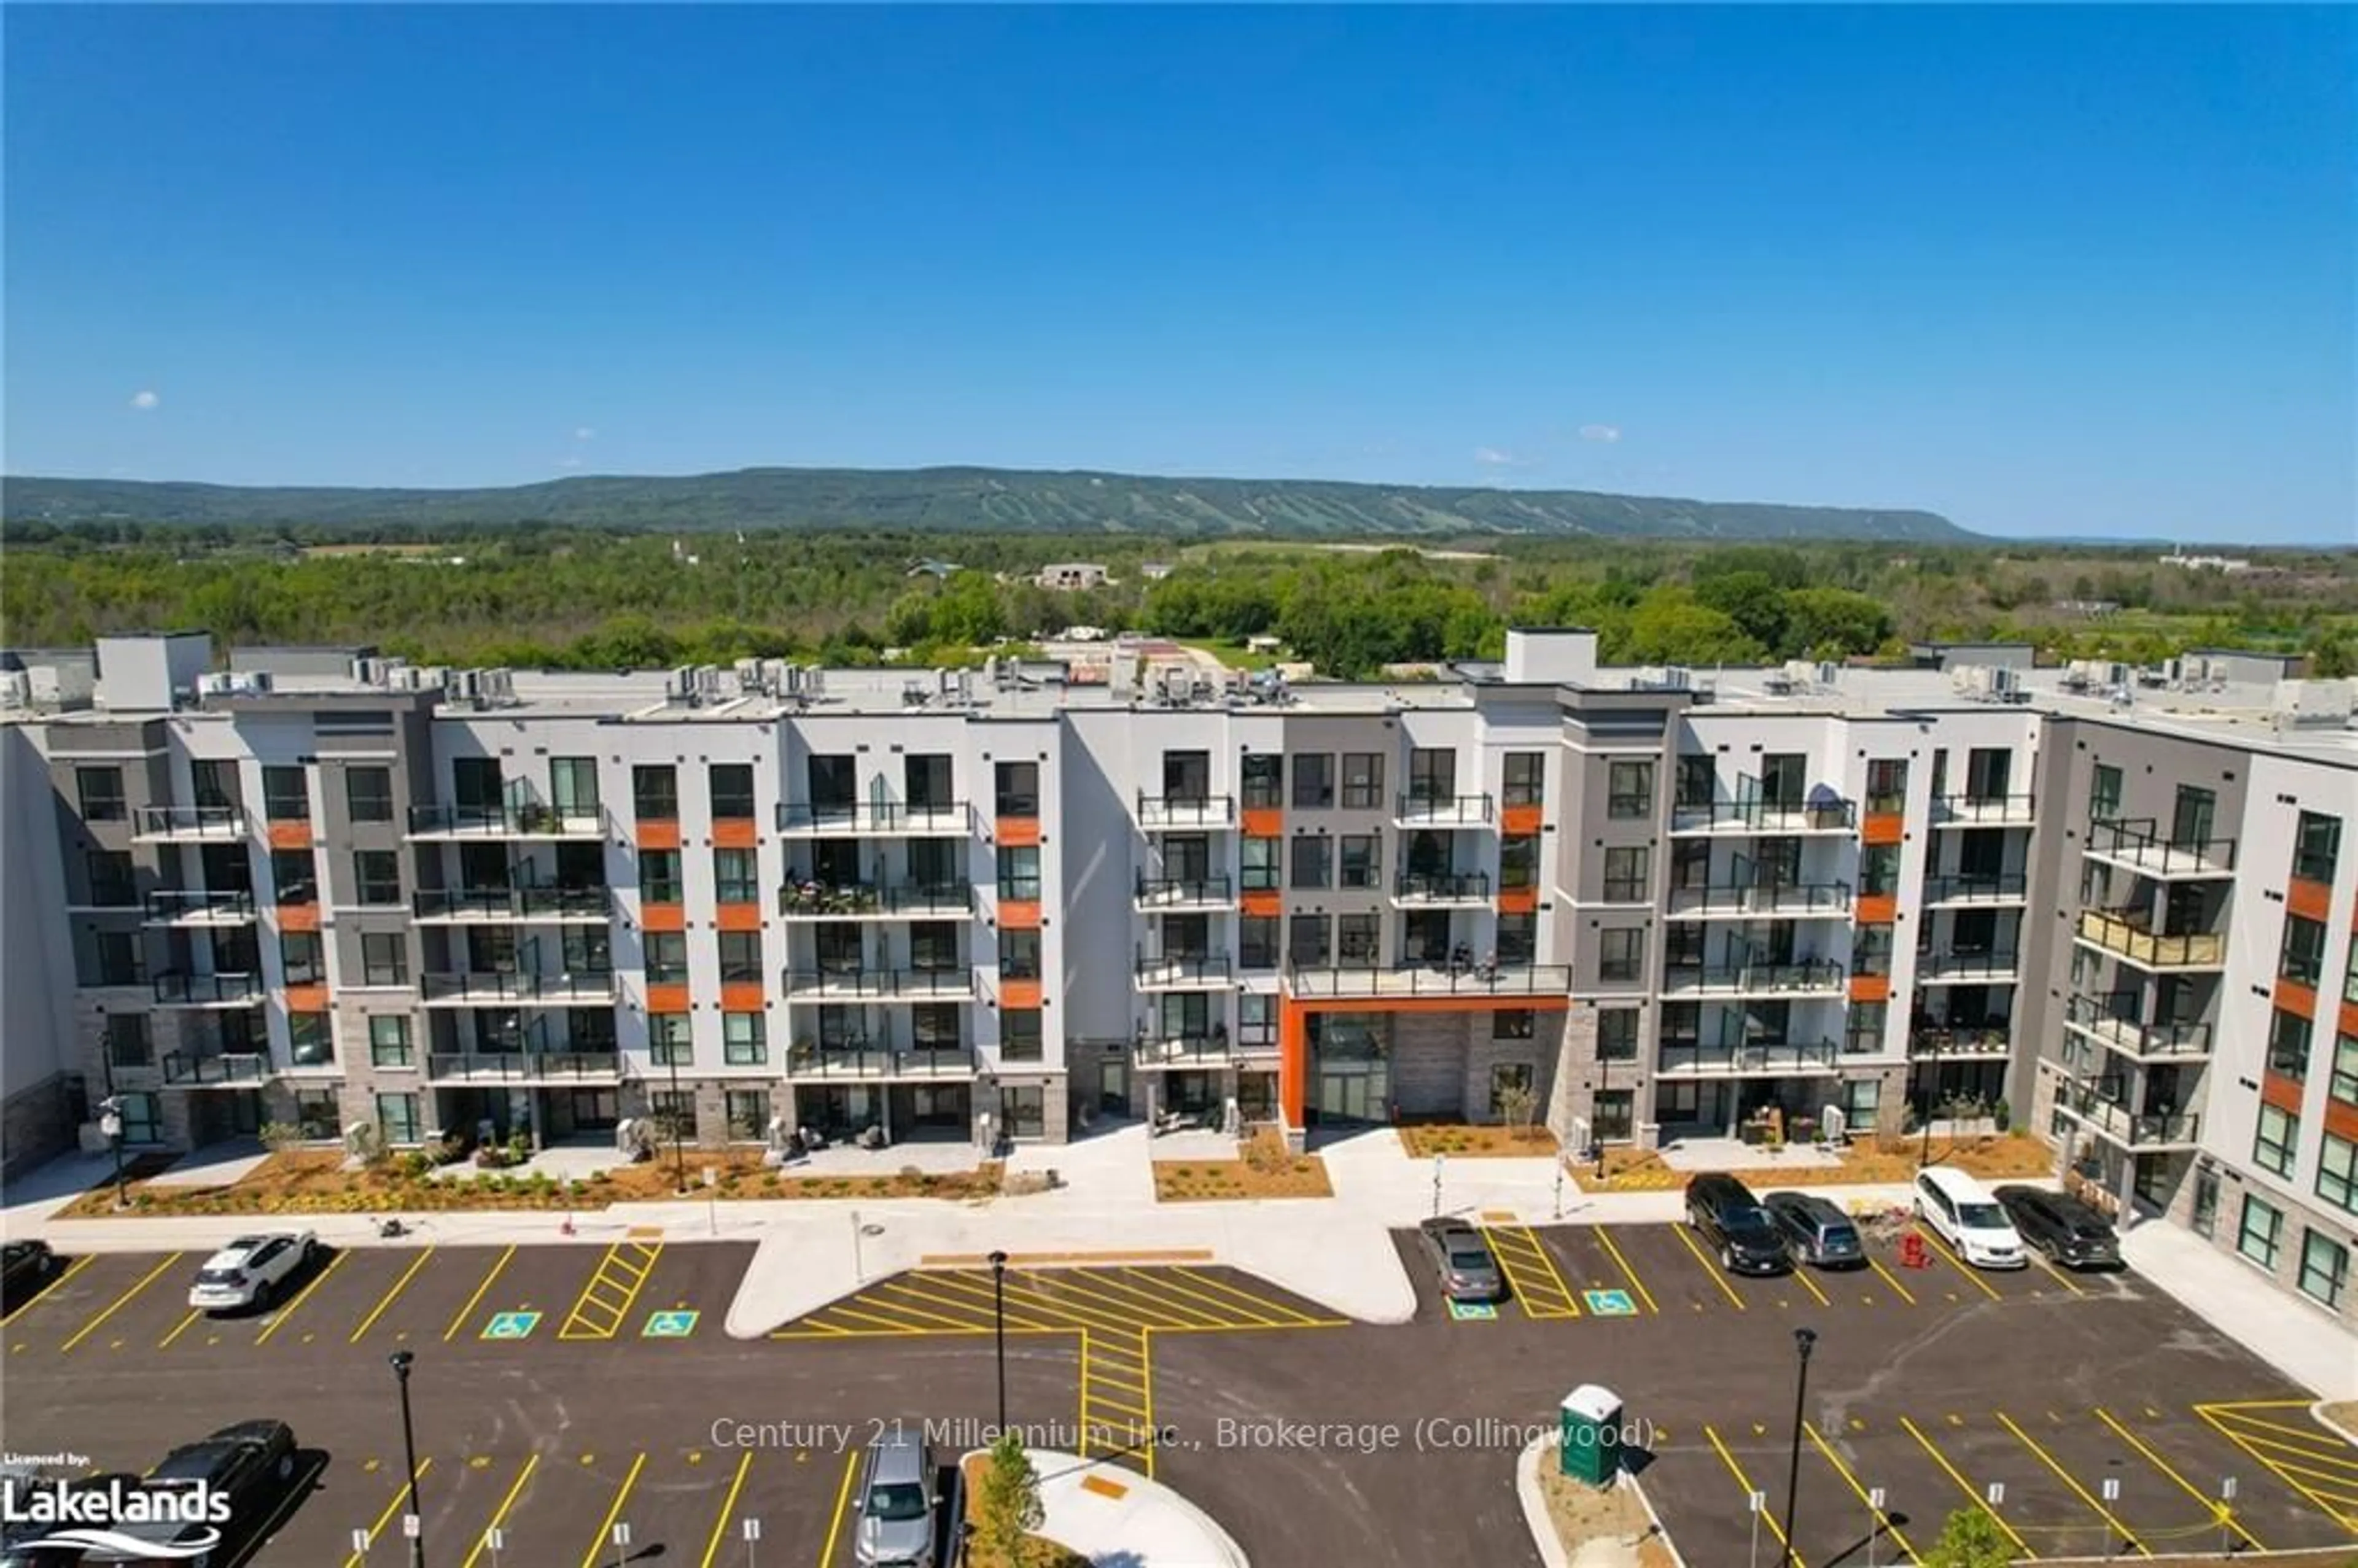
<point x="2046" y="270"/>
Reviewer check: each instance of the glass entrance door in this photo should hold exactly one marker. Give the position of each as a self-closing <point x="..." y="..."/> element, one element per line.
<point x="1351" y="1094"/>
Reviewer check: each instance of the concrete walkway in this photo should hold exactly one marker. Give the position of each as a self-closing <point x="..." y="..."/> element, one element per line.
<point x="1117" y="1518"/>
<point x="2294" y="1338"/>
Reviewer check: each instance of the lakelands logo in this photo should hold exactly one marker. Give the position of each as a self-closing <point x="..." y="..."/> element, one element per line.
<point x="155" y="1522"/>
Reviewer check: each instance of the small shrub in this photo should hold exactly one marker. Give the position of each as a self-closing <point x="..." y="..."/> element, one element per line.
<point x="278" y="1137"/>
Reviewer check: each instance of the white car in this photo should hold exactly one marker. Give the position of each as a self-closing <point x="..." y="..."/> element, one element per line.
<point x="251" y="1271"/>
<point x="1962" y="1212"/>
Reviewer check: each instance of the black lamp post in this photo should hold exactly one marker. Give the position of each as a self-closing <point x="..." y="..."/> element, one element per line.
<point x="678" y="1153"/>
<point x="1597" y="1109"/>
<point x="1932" y="1097"/>
<point x="110" y="1121"/>
<point x="999" y="1330"/>
<point x="401" y="1360"/>
<point x="1804" y="1340"/>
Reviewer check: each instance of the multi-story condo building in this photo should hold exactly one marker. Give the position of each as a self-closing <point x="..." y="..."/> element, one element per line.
<point x="325" y="890"/>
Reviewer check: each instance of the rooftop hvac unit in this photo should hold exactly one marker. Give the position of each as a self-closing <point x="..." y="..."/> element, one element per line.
<point x="708" y="679"/>
<point x="498" y="685"/>
<point x="368" y="672"/>
<point x="2302" y="702"/>
<point x="1801" y="672"/>
<point x="16" y="688"/>
<point x="216" y="683"/>
<point x="1677" y="677"/>
<point x="748" y="671"/>
<point x="253" y="683"/>
<point x="2004" y="682"/>
<point x="463" y="686"/>
<point x="1829" y="673"/>
<point x="813" y="682"/>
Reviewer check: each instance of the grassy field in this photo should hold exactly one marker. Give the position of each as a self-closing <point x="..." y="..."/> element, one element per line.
<point x="1233" y="654"/>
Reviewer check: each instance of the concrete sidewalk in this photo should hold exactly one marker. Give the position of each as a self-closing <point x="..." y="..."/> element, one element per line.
<point x="2295" y="1338"/>
<point x="1117" y="1519"/>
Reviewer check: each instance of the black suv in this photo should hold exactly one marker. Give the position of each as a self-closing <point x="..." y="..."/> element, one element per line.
<point x="252" y="1462"/>
<point x="2067" y="1230"/>
<point x="1745" y="1234"/>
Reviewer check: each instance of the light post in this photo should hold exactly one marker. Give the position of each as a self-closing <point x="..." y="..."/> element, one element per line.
<point x="1804" y="1340"/>
<point x="1932" y="1092"/>
<point x="110" y="1123"/>
<point x="999" y="1332"/>
<point x="678" y="1153"/>
<point x="401" y="1360"/>
<point x="1597" y="1111"/>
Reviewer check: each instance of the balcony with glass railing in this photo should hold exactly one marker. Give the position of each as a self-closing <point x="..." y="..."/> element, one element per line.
<point x="1968" y="967"/>
<point x="1186" y="811"/>
<point x="1183" y="971"/>
<point x="2112" y="1022"/>
<point x="176" y="988"/>
<point x="875" y="818"/>
<point x="1751" y="813"/>
<point x="2116" y="1124"/>
<point x="1812" y="977"/>
<point x="520" y="819"/>
<point x="215" y="1069"/>
<point x="2141" y="845"/>
<point x="443" y="906"/>
<point x="1985" y="810"/>
<point x="1431" y="890"/>
<point x="524" y="1066"/>
<point x="1770" y="1058"/>
<point x="1418" y="809"/>
<point x="187" y="824"/>
<point x="949" y="899"/>
<point x="1474" y="981"/>
<point x="911" y="985"/>
<point x="1960" y="1040"/>
<point x="2123" y="934"/>
<point x="1206" y="1050"/>
<point x="1801" y="901"/>
<point x="200" y="906"/>
<point x="1162" y="894"/>
<point x="1966" y="888"/>
<point x="510" y="989"/>
<point x="878" y="1056"/>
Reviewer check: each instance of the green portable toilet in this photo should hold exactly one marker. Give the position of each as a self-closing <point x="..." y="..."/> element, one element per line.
<point x="1590" y="1448"/>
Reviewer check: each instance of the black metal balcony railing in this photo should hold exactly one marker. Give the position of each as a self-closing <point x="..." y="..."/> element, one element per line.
<point x="1169" y="1050"/>
<point x="175" y="903"/>
<point x="187" y="1067"/>
<point x="2134" y="1128"/>
<point x="202" y="821"/>
<point x="1776" y="816"/>
<point x="1969" y="810"/>
<point x="1419" y="980"/>
<point x="1961" y="963"/>
<point x="1762" y="898"/>
<point x="820" y="900"/>
<point x="875" y="1058"/>
<point x="921" y="817"/>
<point x="493" y="987"/>
<point x="1441" y="887"/>
<point x="522" y="904"/>
<point x="514" y="1065"/>
<point x="1166" y="891"/>
<point x="173" y="986"/>
<point x="1761" y="1056"/>
<point x="1185" y="969"/>
<point x="1185" y="810"/>
<point x="1808" y="975"/>
<point x="1442" y="810"/>
<point x="2141" y="842"/>
<point x="523" y="820"/>
<point x="1960" y="1040"/>
<point x="1976" y="888"/>
<point x="856" y="982"/>
<point x="2114" y="1019"/>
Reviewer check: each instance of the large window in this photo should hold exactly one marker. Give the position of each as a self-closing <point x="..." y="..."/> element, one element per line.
<point x="1363" y="780"/>
<point x="740" y="958"/>
<point x="1617" y="1035"/>
<point x="666" y="958"/>
<point x="286" y="795"/>
<point x="1698" y="781"/>
<point x="2271" y="1146"/>
<point x="1016" y="789"/>
<point x="397" y="1118"/>
<point x="926" y="778"/>
<point x="389" y="1040"/>
<point x="736" y="876"/>
<point x="368" y="793"/>
<point x="376" y="876"/>
<point x="1519" y="861"/>
<point x="1432" y="775"/>
<point x="1357" y="940"/>
<point x="1306" y="941"/>
<point x="1360" y="866"/>
<point x="1021" y="1038"/>
<point x="1019" y="871"/>
<point x="2289" y="1037"/>
<point x="2337" y="1173"/>
<point x="655" y="792"/>
<point x="659" y="880"/>
<point x="1878" y="870"/>
<point x="2325" y="1268"/>
<point x="1313" y="780"/>
<point x="2302" y="958"/>
<point x="744" y="1039"/>
<point x="101" y="791"/>
<point x="1626" y="874"/>
<point x="1630" y="789"/>
<point x="128" y="1044"/>
<point x="1311" y="861"/>
<point x="1257" y="941"/>
<point x="293" y="876"/>
<point x="1621" y="953"/>
<point x="2316" y="846"/>
<point x="1526" y="779"/>
<point x="1258" y="860"/>
<point x="2103" y="793"/>
<point x="573" y="787"/>
<point x="311" y="1039"/>
<point x="1887" y="784"/>
<point x="301" y="958"/>
<point x="2260" y="1231"/>
<point x="112" y="882"/>
<point x="2344" y="1087"/>
<point x="384" y="958"/>
<point x="1019" y="955"/>
<point x="731" y="786"/>
<point x="748" y="1114"/>
<point x="1263" y="774"/>
<point x="671" y="1040"/>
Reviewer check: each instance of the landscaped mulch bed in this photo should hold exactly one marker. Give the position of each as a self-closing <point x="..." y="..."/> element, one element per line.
<point x="1266" y="1171"/>
<point x="1476" y="1140"/>
<point x="1996" y="1158"/>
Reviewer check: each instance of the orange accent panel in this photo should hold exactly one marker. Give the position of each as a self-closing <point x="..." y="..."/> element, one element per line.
<point x="1870" y="988"/>
<point x="663" y="917"/>
<point x="733" y="833"/>
<point x="1882" y="827"/>
<point x="2341" y="1118"/>
<point x="1293" y="1058"/>
<point x="1015" y="832"/>
<point x="1019" y="994"/>
<point x="738" y="916"/>
<point x="298" y="917"/>
<point x="1271" y="902"/>
<point x="1881" y="908"/>
<point x="1519" y="821"/>
<point x="2314" y="900"/>
<point x="658" y="835"/>
<point x="2294" y="997"/>
<point x="307" y="999"/>
<point x="2281" y="1092"/>
<point x="1518" y="900"/>
<point x="1264" y="822"/>
<point x="1019" y="915"/>
<point x="666" y="998"/>
<point x="743" y="997"/>
<point x="289" y="835"/>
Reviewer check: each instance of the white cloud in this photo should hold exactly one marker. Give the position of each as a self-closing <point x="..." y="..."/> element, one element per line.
<point x="1608" y="434"/>
<point x="568" y="462"/>
<point x="144" y="400"/>
<point x="1492" y="458"/>
<point x="583" y="433"/>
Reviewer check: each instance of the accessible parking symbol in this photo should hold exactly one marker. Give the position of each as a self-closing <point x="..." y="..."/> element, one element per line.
<point x="1609" y="1303"/>
<point x="1472" y="1311"/>
<point x="673" y="1324"/>
<point x="512" y="1325"/>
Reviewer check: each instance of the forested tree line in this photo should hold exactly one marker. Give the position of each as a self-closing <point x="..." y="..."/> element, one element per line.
<point x="533" y="596"/>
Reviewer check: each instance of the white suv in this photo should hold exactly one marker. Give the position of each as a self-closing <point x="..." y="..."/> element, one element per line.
<point x="1963" y="1214"/>
<point x="251" y="1270"/>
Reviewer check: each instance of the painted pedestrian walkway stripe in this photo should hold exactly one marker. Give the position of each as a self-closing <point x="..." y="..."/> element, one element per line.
<point x="512" y="1325"/>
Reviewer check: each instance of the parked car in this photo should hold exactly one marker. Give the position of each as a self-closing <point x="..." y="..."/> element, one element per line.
<point x="1962" y="1212"/>
<point x="25" y="1267"/>
<point x="1821" y="1234"/>
<point x="2070" y="1232"/>
<point x="251" y="1271"/>
<point x="1462" y="1260"/>
<point x="252" y="1462"/>
<point x="1746" y="1237"/>
<point x="897" y="1502"/>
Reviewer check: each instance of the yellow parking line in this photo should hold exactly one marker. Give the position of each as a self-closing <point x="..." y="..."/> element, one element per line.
<point x="1974" y="1498"/>
<point x="834" y="1525"/>
<point x="877" y="1323"/>
<point x="146" y="1280"/>
<point x="1941" y="1247"/>
<point x="2062" y="1279"/>
<point x="1230" y="1313"/>
<point x="1898" y="1289"/>
<point x="578" y="1323"/>
<point x="598" y="1542"/>
<point x="1627" y="1272"/>
<point x="1112" y="1291"/>
<point x="400" y="1495"/>
<point x="1063" y="1312"/>
<point x="1881" y="1518"/>
<point x="37" y="1297"/>
<point x="967" y="1295"/>
<point x="500" y="1514"/>
<point x="276" y="1324"/>
<point x="1746" y="1481"/>
<point x="2185" y="1486"/>
<point x="466" y="1312"/>
<point x="1800" y="1273"/>
<point x="1265" y="1304"/>
<point x="1709" y="1267"/>
<point x="179" y="1328"/>
<point x="1523" y="1254"/>
<point x="378" y="1310"/>
<point x="960" y="1310"/>
<point x="2326" y="1442"/>
<point x="727" y="1506"/>
<point x="2124" y="1533"/>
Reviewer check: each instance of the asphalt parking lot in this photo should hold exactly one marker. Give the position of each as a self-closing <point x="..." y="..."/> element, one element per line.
<point x="562" y="1392"/>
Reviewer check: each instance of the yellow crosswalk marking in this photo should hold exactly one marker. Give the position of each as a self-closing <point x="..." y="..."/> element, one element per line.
<point x="1538" y="1285"/>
